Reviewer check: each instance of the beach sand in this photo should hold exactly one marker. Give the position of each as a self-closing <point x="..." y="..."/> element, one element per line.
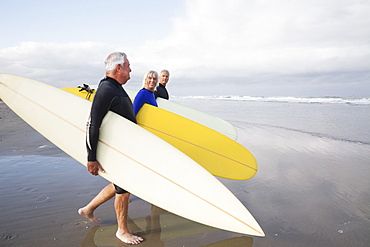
<point x="309" y="191"/>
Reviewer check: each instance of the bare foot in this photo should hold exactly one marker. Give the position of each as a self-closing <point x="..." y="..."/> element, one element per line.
<point x="129" y="238"/>
<point x="85" y="213"/>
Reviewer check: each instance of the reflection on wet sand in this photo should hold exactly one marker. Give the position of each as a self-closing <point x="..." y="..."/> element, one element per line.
<point x="157" y="229"/>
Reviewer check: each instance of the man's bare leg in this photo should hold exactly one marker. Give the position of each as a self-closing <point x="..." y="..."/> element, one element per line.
<point x="123" y="233"/>
<point x="104" y="195"/>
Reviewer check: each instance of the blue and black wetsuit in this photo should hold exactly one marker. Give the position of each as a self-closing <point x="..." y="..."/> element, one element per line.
<point x="161" y="92"/>
<point x="142" y="97"/>
<point x="110" y="96"/>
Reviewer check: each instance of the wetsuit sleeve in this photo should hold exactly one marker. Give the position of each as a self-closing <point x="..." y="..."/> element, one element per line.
<point x="99" y="109"/>
<point x="139" y="101"/>
<point x="142" y="97"/>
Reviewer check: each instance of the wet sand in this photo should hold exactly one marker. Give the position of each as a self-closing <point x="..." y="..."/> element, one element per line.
<point x="309" y="191"/>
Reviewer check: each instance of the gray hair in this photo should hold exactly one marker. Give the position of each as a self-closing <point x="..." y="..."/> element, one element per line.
<point x="164" y="70"/>
<point x="147" y="74"/>
<point x="113" y="60"/>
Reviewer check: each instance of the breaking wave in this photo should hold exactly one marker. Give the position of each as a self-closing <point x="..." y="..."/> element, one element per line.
<point x="292" y="99"/>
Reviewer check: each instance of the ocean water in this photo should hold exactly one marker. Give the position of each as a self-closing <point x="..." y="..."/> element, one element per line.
<point x="341" y="118"/>
<point x="312" y="187"/>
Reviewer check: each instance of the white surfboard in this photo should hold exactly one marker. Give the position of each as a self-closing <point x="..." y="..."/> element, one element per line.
<point x="129" y="156"/>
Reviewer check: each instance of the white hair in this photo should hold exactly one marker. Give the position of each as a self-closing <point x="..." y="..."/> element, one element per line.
<point x="147" y="74"/>
<point x="113" y="60"/>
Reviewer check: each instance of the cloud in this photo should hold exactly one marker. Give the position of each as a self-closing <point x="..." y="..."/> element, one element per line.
<point x="259" y="40"/>
<point x="255" y="47"/>
<point x="58" y="64"/>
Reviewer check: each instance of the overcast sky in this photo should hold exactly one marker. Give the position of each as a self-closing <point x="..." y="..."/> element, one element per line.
<point x="211" y="47"/>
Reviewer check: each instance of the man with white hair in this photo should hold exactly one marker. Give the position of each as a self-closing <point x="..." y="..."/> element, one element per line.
<point x="110" y="96"/>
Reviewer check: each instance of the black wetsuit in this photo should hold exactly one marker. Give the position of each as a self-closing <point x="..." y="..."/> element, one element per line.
<point x="110" y="96"/>
<point x="161" y="92"/>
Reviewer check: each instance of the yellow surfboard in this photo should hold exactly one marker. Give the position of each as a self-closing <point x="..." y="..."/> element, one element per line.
<point x="220" y="155"/>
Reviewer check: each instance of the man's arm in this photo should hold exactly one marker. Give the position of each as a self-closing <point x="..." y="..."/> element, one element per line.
<point x="99" y="109"/>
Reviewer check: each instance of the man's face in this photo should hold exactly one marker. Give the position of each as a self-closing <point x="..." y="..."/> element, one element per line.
<point x="163" y="79"/>
<point x="124" y="72"/>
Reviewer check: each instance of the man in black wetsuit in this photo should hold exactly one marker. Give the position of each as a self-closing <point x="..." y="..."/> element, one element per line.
<point x="110" y="96"/>
<point x="161" y="90"/>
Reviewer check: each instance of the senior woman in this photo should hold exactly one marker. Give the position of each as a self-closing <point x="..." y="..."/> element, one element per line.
<point x="146" y="95"/>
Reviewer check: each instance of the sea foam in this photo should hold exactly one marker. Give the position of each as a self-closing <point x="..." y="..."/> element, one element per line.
<point x="292" y="99"/>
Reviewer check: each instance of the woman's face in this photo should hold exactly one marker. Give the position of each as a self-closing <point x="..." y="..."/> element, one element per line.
<point x="151" y="82"/>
